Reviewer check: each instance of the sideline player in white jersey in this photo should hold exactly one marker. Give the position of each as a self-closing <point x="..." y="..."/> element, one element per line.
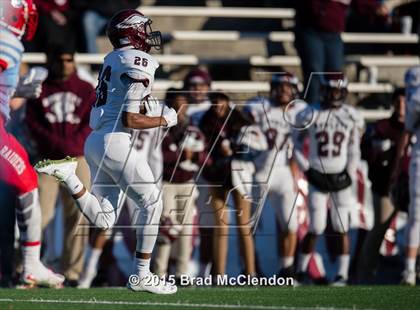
<point x="18" y="20"/>
<point x="412" y="126"/>
<point x="275" y="169"/>
<point x="332" y="129"/>
<point x="125" y="82"/>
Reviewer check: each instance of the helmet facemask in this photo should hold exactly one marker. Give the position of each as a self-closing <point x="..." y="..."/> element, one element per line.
<point x="144" y="38"/>
<point x="281" y="89"/>
<point x="334" y="96"/>
<point x="31" y="23"/>
<point x="334" y="89"/>
<point x="282" y="83"/>
<point x="153" y="38"/>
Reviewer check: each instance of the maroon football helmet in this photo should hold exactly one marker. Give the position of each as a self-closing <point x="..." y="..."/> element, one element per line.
<point x="132" y="28"/>
<point x="334" y="88"/>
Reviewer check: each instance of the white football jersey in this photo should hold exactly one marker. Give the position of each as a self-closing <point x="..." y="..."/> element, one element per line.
<point x="11" y="51"/>
<point x="333" y="137"/>
<point x="126" y="78"/>
<point x="277" y="124"/>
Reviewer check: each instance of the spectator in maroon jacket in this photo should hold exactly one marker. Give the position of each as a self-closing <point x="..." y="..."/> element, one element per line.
<point x="379" y="149"/>
<point x="57" y="24"/>
<point x="59" y="124"/>
<point x="184" y="153"/>
<point x="319" y="24"/>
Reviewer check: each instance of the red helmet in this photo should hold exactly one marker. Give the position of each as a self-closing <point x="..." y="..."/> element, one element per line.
<point x="20" y="17"/>
<point x="131" y="28"/>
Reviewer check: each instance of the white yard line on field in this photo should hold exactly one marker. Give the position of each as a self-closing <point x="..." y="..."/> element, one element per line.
<point x="164" y="304"/>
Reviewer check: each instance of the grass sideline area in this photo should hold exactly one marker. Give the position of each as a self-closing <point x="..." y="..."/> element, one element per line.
<point x="264" y="298"/>
<point x="269" y="298"/>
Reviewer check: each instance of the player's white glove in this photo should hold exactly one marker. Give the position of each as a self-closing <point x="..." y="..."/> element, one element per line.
<point x="170" y="117"/>
<point x="153" y="107"/>
<point x="30" y="85"/>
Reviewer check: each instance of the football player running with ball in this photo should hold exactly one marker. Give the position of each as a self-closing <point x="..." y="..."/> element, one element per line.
<point x="18" y="20"/>
<point x="124" y="84"/>
<point x="330" y="168"/>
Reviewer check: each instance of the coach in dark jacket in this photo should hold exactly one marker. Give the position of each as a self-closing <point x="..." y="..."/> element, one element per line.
<point x="59" y="124"/>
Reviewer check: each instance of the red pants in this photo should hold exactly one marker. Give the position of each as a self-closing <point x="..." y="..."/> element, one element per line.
<point x="16" y="172"/>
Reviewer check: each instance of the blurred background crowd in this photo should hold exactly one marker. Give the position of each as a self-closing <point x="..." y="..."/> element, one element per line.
<point x="372" y="41"/>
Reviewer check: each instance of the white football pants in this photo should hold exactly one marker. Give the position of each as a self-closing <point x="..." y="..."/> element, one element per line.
<point x="117" y="168"/>
<point x="341" y="204"/>
<point x="282" y="195"/>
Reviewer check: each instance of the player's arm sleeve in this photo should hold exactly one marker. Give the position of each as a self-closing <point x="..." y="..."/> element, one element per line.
<point x="353" y="152"/>
<point x="298" y="141"/>
<point x="136" y="83"/>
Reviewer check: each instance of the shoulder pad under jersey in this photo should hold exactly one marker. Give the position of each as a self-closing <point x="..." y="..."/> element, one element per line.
<point x="135" y="63"/>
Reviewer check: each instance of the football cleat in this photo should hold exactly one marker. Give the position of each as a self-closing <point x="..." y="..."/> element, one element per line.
<point x="287" y="272"/>
<point x="151" y="283"/>
<point x="408" y="278"/>
<point x="302" y="278"/>
<point x="339" y="281"/>
<point x="60" y="169"/>
<point x="41" y="277"/>
<point x="86" y="279"/>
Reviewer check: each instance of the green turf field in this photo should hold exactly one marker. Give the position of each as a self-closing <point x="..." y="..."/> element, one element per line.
<point x="356" y="297"/>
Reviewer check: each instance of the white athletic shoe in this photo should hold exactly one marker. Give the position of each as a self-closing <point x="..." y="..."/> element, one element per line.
<point x="86" y="279"/>
<point x="60" y="169"/>
<point x="409" y="278"/>
<point x="41" y="276"/>
<point x="152" y="284"/>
